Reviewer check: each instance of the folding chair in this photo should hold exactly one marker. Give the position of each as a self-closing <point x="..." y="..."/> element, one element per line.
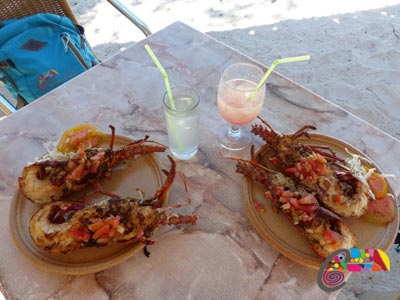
<point x="22" y="8"/>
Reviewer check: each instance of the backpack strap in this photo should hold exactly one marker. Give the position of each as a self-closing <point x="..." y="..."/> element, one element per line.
<point x="6" y="64"/>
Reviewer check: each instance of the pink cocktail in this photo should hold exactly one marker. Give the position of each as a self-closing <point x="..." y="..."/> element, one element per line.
<point x="239" y="103"/>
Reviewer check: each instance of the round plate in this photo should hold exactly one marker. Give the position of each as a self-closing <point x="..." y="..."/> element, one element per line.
<point x="143" y="172"/>
<point x="288" y="240"/>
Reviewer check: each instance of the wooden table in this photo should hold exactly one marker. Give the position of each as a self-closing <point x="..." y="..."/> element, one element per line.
<point x="222" y="257"/>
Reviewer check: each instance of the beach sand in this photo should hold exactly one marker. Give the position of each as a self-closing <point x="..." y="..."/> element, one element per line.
<point x="355" y="60"/>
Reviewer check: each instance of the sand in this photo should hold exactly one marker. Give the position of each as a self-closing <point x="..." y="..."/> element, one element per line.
<point x="355" y="60"/>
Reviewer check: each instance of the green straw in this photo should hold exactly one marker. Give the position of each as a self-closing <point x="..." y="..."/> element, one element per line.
<point x="171" y="99"/>
<point x="272" y="67"/>
<point x="164" y="75"/>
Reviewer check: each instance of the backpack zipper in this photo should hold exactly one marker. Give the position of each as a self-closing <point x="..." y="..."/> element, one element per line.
<point x="67" y="44"/>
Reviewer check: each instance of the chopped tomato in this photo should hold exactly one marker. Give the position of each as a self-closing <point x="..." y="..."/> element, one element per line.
<point x="268" y="195"/>
<point x="378" y="185"/>
<point x="78" y="173"/>
<point x="332" y="237"/>
<point x="320" y="159"/>
<point x="102" y="232"/>
<point x="279" y="190"/>
<point x="297" y="206"/>
<point x="308" y="199"/>
<point x="337" y="198"/>
<point x="258" y="206"/>
<point x="286" y="194"/>
<point x="105" y="228"/>
<point x="79" y="235"/>
<point x="114" y="222"/>
<point x="96" y="226"/>
<point x="292" y="170"/>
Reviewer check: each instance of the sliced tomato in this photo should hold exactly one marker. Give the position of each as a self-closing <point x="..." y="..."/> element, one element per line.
<point x="78" y="138"/>
<point x="378" y="185"/>
<point x="381" y="211"/>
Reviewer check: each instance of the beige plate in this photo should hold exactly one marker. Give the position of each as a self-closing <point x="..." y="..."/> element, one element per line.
<point x="144" y="172"/>
<point x="288" y="240"/>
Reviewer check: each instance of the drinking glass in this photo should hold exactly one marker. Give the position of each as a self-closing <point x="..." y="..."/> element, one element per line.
<point x="239" y="103"/>
<point x="182" y="119"/>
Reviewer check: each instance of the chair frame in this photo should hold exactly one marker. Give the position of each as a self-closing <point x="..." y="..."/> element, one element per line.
<point x="24" y="8"/>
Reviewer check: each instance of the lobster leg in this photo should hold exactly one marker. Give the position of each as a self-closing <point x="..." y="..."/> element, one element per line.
<point x="112" y="136"/>
<point x="303" y="131"/>
<point x="162" y="192"/>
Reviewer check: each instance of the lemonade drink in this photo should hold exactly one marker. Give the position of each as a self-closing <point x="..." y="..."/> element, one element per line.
<point x="183" y="122"/>
<point x="234" y="104"/>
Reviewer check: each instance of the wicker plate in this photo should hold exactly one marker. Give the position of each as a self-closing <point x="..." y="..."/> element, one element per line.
<point x="285" y="238"/>
<point x="143" y="172"/>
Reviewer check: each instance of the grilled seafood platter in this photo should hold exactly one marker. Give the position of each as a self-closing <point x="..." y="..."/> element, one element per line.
<point x="58" y="227"/>
<point x="317" y="191"/>
<point x="77" y="161"/>
<point x="63" y="226"/>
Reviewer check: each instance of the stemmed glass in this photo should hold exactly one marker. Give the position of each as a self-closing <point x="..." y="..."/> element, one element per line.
<point x="239" y="103"/>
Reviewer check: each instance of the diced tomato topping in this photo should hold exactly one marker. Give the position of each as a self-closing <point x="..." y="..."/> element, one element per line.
<point x="308" y="199"/>
<point x="337" y="198"/>
<point x="268" y="195"/>
<point x="297" y="206"/>
<point x="331" y="236"/>
<point x="77" y="173"/>
<point x="320" y="159"/>
<point x="305" y="217"/>
<point x="258" y="206"/>
<point x="102" y="232"/>
<point x="79" y="235"/>
<point x="309" y="168"/>
<point x="279" y="190"/>
<point x="286" y="194"/>
<point x="292" y="170"/>
<point x="96" y="226"/>
<point x="114" y="222"/>
<point x="105" y="228"/>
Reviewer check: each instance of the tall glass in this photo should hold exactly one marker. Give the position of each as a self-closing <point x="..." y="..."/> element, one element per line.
<point x="182" y="119"/>
<point x="239" y="103"/>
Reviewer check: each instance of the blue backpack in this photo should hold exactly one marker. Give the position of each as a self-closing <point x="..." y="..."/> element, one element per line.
<point x="40" y="52"/>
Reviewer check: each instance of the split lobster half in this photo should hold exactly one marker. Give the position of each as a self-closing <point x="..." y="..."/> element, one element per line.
<point x="63" y="226"/>
<point x="50" y="179"/>
<point x="324" y="230"/>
